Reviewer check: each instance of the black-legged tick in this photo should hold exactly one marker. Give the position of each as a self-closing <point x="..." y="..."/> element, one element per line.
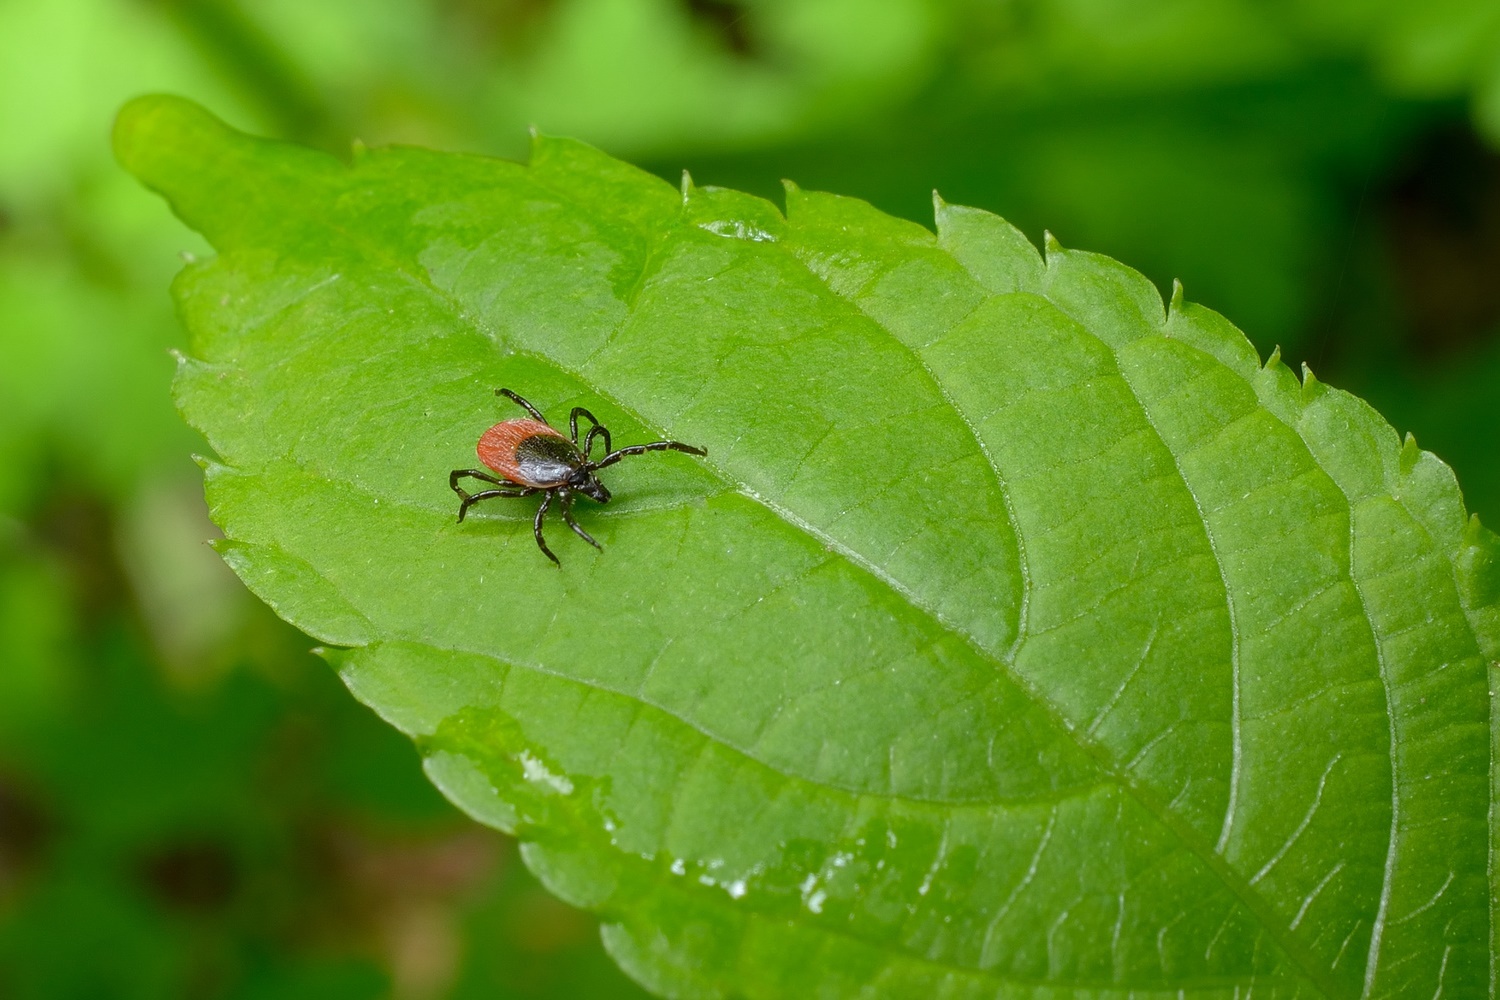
<point x="532" y="457"/>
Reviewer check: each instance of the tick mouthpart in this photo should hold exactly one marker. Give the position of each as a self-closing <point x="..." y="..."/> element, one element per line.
<point x="593" y="489"/>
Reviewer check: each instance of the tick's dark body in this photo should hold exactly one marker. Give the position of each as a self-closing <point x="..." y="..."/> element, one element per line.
<point x="546" y="459"/>
<point x="533" y="457"/>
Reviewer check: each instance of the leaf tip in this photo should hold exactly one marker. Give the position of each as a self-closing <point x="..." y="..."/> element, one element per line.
<point x="148" y="123"/>
<point x="202" y="165"/>
<point x="687" y="187"/>
<point x="133" y="118"/>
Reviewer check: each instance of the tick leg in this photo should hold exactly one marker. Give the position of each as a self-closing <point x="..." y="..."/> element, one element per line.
<point x="641" y="449"/>
<point x="457" y="474"/>
<point x="579" y="411"/>
<point x="507" y="489"/>
<point x="588" y="442"/>
<point x="567" y="513"/>
<point x="536" y="529"/>
<point x="597" y="429"/>
<point x="523" y="404"/>
<point x="470" y="499"/>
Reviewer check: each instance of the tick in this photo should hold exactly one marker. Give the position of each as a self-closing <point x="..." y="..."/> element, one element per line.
<point x="533" y="457"/>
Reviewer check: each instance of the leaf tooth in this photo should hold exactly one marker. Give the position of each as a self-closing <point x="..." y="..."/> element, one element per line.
<point x="212" y="467"/>
<point x="188" y="364"/>
<point x="1311" y="387"/>
<point x="1410" y="453"/>
<point x="687" y="186"/>
<point x="792" y="191"/>
<point x="1050" y="246"/>
<point x="993" y="252"/>
<point x="1478" y="565"/>
<point x="335" y="656"/>
<point x="1175" y="304"/>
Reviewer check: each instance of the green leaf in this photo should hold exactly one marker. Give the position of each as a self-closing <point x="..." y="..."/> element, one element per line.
<point x="1018" y="637"/>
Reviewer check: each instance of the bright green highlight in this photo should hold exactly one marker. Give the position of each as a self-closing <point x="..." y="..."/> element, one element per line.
<point x="1019" y="637"/>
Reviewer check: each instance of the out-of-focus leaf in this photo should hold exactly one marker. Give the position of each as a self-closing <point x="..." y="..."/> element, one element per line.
<point x="64" y="66"/>
<point x="642" y="75"/>
<point x="35" y="652"/>
<point x="1018" y="636"/>
<point x="82" y="370"/>
<point x="1440" y="48"/>
<point x="654" y="77"/>
<point x="83" y="330"/>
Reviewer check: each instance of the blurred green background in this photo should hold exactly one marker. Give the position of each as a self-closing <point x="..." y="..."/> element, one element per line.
<point x="190" y="805"/>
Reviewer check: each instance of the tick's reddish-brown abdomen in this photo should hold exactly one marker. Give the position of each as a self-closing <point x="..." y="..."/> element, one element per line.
<point x="497" y="446"/>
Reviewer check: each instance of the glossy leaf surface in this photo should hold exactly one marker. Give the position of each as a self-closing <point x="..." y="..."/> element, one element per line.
<point x="1020" y="636"/>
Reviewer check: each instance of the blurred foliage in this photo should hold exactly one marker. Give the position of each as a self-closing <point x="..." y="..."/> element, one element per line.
<point x="259" y="836"/>
<point x="1323" y="172"/>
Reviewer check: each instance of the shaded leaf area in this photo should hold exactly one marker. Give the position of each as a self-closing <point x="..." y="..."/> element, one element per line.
<point x="1019" y="636"/>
